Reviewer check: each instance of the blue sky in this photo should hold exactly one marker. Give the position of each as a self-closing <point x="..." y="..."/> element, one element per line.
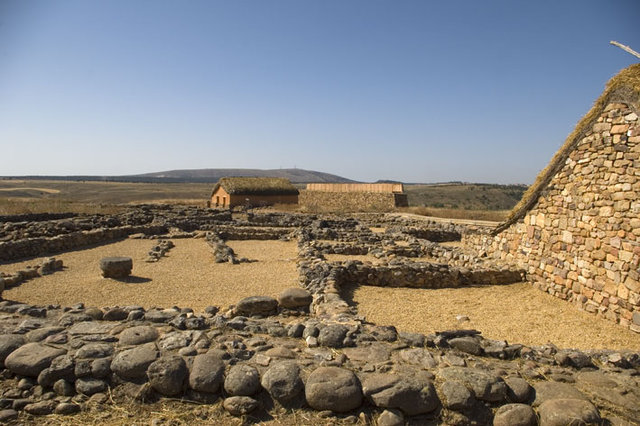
<point x="418" y="91"/>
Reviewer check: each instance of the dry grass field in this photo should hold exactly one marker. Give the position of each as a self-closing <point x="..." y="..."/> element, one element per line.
<point x="38" y="196"/>
<point x="187" y="277"/>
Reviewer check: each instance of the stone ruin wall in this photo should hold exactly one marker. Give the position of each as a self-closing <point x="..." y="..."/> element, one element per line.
<point x="581" y="240"/>
<point x="320" y="201"/>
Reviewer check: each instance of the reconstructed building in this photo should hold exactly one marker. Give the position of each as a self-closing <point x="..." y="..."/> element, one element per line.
<point x="577" y="229"/>
<point x="353" y="196"/>
<point x="230" y="192"/>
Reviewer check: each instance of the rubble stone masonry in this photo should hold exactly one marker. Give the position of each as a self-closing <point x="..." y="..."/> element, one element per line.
<point x="581" y="240"/>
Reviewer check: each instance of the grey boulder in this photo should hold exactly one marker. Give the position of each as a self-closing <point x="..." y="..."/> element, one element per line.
<point x="283" y="381"/>
<point x="206" y="373"/>
<point x="242" y="380"/>
<point x="411" y="394"/>
<point x="30" y="359"/>
<point x="167" y="375"/>
<point x="333" y="388"/>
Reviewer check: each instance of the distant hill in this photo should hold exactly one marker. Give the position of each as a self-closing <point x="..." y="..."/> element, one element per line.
<point x="296" y="176"/>
<point x="212" y="175"/>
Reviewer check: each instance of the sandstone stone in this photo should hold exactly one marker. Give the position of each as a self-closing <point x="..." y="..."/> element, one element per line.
<point x="333" y="388"/>
<point x="167" y="375"/>
<point x="206" y="373"/>
<point x="30" y="359"/>
<point x="242" y="380"/>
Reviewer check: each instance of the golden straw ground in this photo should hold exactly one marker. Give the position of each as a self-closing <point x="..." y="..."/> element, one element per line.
<point x="187" y="277"/>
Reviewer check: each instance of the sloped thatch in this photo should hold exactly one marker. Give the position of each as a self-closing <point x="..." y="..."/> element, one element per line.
<point x="624" y="87"/>
<point x="256" y="186"/>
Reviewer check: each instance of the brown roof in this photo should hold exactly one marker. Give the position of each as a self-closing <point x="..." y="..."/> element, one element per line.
<point x="256" y="186"/>
<point x="624" y="87"/>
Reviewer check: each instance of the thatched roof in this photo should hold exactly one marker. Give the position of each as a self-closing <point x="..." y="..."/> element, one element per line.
<point x="256" y="186"/>
<point x="624" y="87"/>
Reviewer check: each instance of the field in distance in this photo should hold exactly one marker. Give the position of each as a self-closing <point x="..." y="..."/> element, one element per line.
<point x="454" y="200"/>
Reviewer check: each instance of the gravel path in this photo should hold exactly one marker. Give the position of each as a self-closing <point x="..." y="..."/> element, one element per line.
<point x="187" y="277"/>
<point x="518" y="313"/>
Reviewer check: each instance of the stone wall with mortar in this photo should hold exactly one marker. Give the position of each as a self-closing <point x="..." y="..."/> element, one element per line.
<point x="319" y="201"/>
<point x="581" y="240"/>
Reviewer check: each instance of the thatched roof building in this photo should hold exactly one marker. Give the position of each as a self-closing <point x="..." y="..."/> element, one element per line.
<point x="254" y="191"/>
<point x="576" y="230"/>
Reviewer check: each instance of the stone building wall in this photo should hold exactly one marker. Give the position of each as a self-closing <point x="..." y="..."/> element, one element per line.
<point x="319" y="201"/>
<point x="581" y="240"/>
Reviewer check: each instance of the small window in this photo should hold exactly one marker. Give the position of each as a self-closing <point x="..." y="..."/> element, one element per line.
<point x="217" y="200"/>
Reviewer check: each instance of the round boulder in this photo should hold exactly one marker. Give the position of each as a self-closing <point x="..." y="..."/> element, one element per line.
<point x="333" y="388"/>
<point x="295" y="297"/>
<point x="242" y="380"/>
<point x="167" y="375"/>
<point x="283" y="381"/>
<point x="116" y="267"/>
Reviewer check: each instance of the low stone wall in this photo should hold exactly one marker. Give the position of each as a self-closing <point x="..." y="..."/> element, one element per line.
<point x="318" y="201"/>
<point x="35" y="217"/>
<point x="230" y="232"/>
<point x="81" y="358"/>
<point x="34" y="247"/>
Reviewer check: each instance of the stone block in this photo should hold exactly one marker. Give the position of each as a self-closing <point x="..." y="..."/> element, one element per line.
<point x="116" y="267"/>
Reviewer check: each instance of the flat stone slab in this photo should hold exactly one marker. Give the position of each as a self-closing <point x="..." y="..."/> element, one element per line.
<point x="30" y="359"/>
<point x="91" y="327"/>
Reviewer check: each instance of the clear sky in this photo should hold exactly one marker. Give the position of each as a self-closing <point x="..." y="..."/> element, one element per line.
<point x="417" y="91"/>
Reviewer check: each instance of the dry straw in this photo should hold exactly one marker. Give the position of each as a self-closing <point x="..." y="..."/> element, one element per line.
<point x="256" y="186"/>
<point x="624" y="87"/>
